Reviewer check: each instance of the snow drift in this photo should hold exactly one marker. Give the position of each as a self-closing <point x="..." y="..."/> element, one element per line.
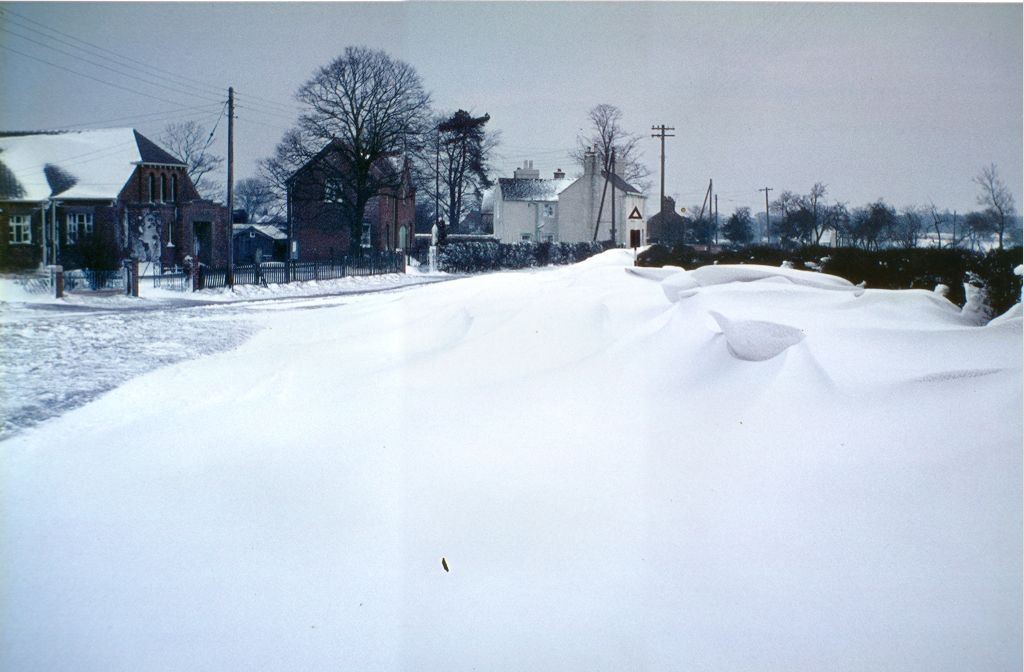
<point x="609" y="486"/>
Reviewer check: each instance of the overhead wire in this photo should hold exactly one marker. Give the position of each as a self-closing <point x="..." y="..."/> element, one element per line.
<point x="258" y="104"/>
<point x="95" y="47"/>
<point x="95" y="79"/>
<point x="101" y="65"/>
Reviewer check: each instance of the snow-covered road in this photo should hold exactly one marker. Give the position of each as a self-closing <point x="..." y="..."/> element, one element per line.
<point x="58" y="355"/>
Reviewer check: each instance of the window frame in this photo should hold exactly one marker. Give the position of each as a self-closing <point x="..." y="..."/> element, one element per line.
<point x="334" y="191"/>
<point x="81" y="223"/>
<point x="20" y="232"/>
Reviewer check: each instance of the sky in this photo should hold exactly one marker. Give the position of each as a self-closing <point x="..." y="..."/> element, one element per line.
<point x="906" y="102"/>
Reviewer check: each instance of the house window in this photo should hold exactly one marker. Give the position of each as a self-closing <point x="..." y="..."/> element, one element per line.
<point x="549" y="210"/>
<point x="79" y="224"/>
<point x="527" y="236"/>
<point x="21" y="230"/>
<point x="152" y="187"/>
<point x="174" y="188"/>
<point x="365" y="240"/>
<point x="333" y="192"/>
<point x="163" y="188"/>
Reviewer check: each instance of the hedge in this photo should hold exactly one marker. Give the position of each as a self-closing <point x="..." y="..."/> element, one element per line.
<point x="478" y="257"/>
<point x="895" y="268"/>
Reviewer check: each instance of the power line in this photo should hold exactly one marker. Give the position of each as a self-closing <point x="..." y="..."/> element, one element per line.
<point x="95" y="79"/>
<point x="259" y="105"/>
<point x="171" y="114"/>
<point x="290" y="107"/>
<point x="95" y="47"/>
<point x="100" y="65"/>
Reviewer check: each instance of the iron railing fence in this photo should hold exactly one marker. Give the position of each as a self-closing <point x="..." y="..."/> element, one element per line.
<point x="277" y="272"/>
<point x="88" y="279"/>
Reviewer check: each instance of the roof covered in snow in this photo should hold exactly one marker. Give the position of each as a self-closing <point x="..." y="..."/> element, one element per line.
<point x="621" y="184"/>
<point x="75" y="165"/>
<point x="532" y="189"/>
<point x="268" y="230"/>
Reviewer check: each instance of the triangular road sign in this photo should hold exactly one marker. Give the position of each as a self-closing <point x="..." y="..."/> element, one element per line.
<point x="636" y="213"/>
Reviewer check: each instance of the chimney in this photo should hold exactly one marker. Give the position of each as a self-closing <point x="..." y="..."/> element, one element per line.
<point x="527" y="172"/>
<point x="590" y="162"/>
<point x="559" y="174"/>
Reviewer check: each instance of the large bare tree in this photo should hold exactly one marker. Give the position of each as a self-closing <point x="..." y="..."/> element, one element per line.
<point x="996" y="199"/>
<point x="369" y="107"/>
<point x="606" y="132"/>
<point x="190" y="142"/>
<point x="256" y="196"/>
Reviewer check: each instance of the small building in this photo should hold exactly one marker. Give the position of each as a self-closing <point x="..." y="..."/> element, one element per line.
<point x="265" y="242"/>
<point x="93" y="198"/>
<point x="668" y="227"/>
<point x="318" y="206"/>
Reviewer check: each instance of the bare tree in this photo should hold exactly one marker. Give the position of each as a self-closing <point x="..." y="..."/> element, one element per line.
<point x="837" y="218"/>
<point x="978" y="228"/>
<point x="936" y="224"/>
<point x="908" y="226"/>
<point x="256" y="196"/>
<point x="190" y="142"/>
<point x="813" y="200"/>
<point x="607" y="133"/>
<point x="368" y="107"/>
<point x="996" y="199"/>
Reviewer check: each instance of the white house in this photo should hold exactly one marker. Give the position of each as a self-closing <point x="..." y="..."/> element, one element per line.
<point x="562" y="209"/>
<point x="526" y="206"/>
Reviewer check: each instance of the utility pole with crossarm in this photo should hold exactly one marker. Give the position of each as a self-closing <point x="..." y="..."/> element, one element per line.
<point x="662" y="134"/>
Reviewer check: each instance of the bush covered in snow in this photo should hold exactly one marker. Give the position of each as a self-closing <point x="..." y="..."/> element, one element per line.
<point x="477" y="257"/>
<point x="917" y="268"/>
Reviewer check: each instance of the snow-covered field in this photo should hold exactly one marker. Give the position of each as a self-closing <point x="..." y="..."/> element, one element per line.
<point x="834" y="482"/>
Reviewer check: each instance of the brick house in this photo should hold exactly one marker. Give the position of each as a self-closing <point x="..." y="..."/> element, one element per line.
<point x="93" y="198"/>
<point x="317" y="225"/>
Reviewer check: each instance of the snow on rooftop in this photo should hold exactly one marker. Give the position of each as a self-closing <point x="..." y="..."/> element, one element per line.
<point x="98" y="162"/>
<point x="268" y="230"/>
<point x="533" y="189"/>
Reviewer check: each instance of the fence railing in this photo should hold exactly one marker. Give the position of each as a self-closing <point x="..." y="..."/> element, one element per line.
<point x="277" y="272"/>
<point x="94" y="280"/>
<point x="178" y="282"/>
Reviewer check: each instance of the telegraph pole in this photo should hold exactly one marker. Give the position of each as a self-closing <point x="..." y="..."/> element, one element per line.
<point x="231" y="188"/>
<point x="613" y="171"/>
<point x="662" y="134"/>
<point x="767" y="217"/>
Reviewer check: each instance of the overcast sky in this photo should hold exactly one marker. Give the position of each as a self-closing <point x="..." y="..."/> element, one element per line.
<point x="905" y="102"/>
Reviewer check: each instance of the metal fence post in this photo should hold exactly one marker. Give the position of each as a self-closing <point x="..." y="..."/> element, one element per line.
<point x="135" y="278"/>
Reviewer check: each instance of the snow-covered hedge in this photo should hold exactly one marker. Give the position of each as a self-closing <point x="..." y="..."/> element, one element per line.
<point x="920" y="268"/>
<point x="477" y="257"/>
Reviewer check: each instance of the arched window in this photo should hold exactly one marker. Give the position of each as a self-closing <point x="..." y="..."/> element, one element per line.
<point x="163" y="188"/>
<point x="152" y="187"/>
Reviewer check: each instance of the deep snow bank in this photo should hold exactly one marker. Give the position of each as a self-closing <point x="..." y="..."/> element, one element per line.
<point x="611" y="488"/>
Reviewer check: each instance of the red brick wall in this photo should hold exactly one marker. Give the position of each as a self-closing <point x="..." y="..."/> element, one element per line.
<point x="136" y="190"/>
